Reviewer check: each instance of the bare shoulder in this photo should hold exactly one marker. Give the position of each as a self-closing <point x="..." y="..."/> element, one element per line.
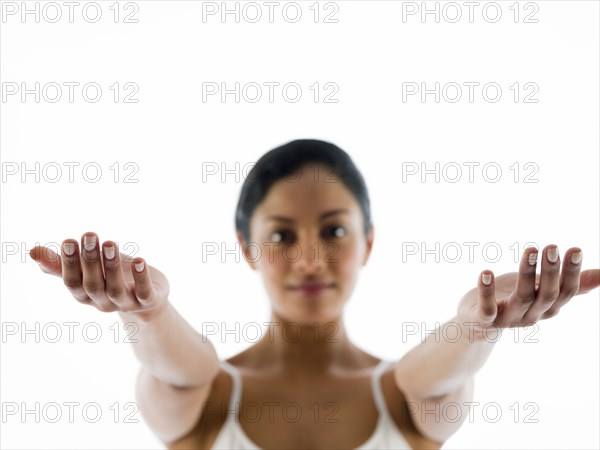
<point x="212" y="417"/>
<point x="401" y="414"/>
<point x="214" y="409"/>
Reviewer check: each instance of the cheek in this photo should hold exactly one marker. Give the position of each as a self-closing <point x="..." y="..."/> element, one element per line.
<point x="346" y="259"/>
<point x="272" y="266"/>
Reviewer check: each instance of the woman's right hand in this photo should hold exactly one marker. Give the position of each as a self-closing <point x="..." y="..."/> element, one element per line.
<point x="99" y="278"/>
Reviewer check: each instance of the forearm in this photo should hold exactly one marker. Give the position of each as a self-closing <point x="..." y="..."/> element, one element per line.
<point x="443" y="363"/>
<point x="171" y="350"/>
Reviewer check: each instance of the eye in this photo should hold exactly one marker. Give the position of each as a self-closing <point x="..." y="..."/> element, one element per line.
<point x="336" y="231"/>
<point x="285" y="236"/>
<point x="279" y="236"/>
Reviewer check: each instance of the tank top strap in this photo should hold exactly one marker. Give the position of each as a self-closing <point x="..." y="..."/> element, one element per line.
<point x="237" y="384"/>
<point x="376" y="385"/>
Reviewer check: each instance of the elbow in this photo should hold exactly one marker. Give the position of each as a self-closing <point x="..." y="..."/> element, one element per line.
<point x="441" y="427"/>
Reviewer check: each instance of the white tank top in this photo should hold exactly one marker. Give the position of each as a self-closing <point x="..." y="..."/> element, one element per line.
<point x="386" y="434"/>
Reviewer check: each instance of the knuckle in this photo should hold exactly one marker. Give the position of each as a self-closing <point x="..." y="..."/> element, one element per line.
<point x="114" y="292"/>
<point x="549" y="296"/>
<point x="92" y="288"/>
<point x="571" y="291"/>
<point x="81" y="299"/>
<point x="551" y="313"/>
<point x="111" y="267"/>
<point x="104" y="307"/>
<point x="91" y="259"/>
<point x="532" y="319"/>
<point x="72" y="283"/>
<point x="571" y="271"/>
<point x="144" y="297"/>
<point x="527" y="298"/>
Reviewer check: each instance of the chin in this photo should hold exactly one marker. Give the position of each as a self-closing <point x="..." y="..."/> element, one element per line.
<point x="308" y="310"/>
<point x="308" y="314"/>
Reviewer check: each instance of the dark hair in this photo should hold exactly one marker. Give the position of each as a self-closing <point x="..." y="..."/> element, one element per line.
<point x="288" y="159"/>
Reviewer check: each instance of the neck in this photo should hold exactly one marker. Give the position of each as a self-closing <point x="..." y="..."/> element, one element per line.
<point x="305" y="349"/>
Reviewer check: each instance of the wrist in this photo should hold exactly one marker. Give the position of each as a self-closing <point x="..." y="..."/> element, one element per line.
<point x="149" y="316"/>
<point x="477" y="332"/>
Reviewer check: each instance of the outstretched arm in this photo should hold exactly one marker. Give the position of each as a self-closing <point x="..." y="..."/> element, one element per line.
<point x="178" y="363"/>
<point x="438" y="371"/>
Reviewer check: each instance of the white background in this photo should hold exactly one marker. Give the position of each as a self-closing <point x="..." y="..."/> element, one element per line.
<point x="168" y="215"/>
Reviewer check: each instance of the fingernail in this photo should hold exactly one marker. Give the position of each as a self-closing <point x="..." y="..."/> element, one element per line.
<point x="553" y="254"/>
<point x="486" y="279"/>
<point x="109" y="252"/>
<point x="89" y="242"/>
<point x="69" y="248"/>
<point x="533" y="258"/>
<point x="139" y="267"/>
<point x="576" y="257"/>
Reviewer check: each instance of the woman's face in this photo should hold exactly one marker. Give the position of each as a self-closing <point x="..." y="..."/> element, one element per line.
<point x="309" y="227"/>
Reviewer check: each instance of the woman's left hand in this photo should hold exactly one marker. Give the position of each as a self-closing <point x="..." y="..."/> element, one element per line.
<point x="521" y="299"/>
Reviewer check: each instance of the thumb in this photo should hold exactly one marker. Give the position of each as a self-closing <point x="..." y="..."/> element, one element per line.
<point x="48" y="260"/>
<point x="588" y="280"/>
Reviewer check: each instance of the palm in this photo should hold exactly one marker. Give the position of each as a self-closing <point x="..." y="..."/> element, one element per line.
<point x="522" y="298"/>
<point x="108" y="284"/>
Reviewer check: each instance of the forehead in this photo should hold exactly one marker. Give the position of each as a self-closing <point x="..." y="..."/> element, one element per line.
<point x="305" y="194"/>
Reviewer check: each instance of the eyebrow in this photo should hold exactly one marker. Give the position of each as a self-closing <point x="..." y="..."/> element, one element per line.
<point x="321" y="217"/>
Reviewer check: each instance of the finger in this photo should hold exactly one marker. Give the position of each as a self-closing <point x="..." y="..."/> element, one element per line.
<point x="71" y="271"/>
<point x="48" y="260"/>
<point x="116" y="289"/>
<point x="549" y="287"/>
<point x="144" y="291"/>
<point x="588" y="280"/>
<point x="524" y="294"/>
<point x="487" y="298"/>
<point x="569" y="281"/>
<point x="93" y="276"/>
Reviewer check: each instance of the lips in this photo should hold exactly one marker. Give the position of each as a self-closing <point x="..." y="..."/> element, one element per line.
<point x="313" y="285"/>
<point x="311" y="288"/>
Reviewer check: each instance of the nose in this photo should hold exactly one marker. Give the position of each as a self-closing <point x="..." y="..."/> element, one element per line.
<point x="311" y="256"/>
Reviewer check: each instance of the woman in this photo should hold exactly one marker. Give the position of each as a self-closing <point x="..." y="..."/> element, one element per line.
<point x="303" y="220"/>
